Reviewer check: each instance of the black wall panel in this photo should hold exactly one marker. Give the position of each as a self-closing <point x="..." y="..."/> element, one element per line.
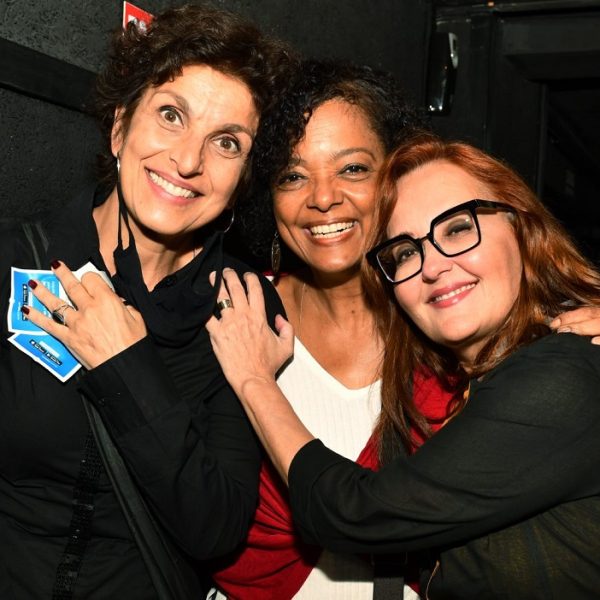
<point x="47" y="151"/>
<point x="528" y="91"/>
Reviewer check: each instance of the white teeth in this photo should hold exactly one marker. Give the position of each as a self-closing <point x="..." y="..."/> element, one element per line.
<point x="452" y="293"/>
<point x="331" y="230"/>
<point x="173" y="189"/>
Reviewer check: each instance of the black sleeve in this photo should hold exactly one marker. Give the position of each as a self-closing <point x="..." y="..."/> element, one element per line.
<point x="197" y="468"/>
<point x="196" y="463"/>
<point x="527" y="441"/>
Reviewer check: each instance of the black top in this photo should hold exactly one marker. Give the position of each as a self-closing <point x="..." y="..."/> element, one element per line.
<point x="178" y="424"/>
<point x="508" y="492"/>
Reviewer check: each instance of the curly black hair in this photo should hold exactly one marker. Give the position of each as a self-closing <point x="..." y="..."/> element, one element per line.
<point x="377" y="93"/>
<point x="178" y="37"/>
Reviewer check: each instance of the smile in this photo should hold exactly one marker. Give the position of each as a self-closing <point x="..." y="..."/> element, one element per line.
<point x="452" y="293"/>
<point x="331" y="230"/>
<point x="169" y="187"/>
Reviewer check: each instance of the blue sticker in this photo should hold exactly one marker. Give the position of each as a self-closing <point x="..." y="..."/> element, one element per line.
<point x="29" y="338"/>
<point x="48" y="352"/>
<point x="21" y="296"/>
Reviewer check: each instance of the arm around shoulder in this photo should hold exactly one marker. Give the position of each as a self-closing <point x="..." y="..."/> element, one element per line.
<point x="526" y="441"/>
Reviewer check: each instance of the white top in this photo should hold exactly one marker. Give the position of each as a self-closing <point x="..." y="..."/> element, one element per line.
<point x="343" y="419"/>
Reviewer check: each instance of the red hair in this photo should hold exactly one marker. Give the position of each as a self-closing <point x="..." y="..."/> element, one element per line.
<point x="555" y="275"/>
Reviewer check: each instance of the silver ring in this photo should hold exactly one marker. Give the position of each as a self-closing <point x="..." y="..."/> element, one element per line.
<point x="58" y="314"/>
<point x="225" y="303"/>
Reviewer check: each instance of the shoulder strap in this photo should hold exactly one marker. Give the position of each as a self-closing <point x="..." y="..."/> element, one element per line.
<point x="32" y="231"/>
<point x="388" y="576"/>
<point x="172" y="575"/>
<point x="389" y="569"/>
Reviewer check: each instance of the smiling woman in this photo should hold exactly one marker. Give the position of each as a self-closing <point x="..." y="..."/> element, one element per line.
<point x="322" y="204"/>
<point x="458" y="300"/>
<point x="179" y="105"/>
<point x="181" y="159"/>
<point x="338" y="122"/>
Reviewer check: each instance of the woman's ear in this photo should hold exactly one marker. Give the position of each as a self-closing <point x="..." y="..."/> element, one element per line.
<point x="117" y="134"/>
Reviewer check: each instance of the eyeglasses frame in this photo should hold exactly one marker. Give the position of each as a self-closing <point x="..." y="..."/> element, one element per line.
<point x="470" y="205"/>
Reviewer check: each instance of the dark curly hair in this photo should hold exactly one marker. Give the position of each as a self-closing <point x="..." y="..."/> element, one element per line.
<point x="188" y="35"/>
<point x="315" y="82"/>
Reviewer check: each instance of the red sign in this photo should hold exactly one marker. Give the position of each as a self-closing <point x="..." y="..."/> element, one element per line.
<point x="133" y="13"/>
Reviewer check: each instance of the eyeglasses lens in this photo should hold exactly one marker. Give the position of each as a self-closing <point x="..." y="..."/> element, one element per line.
<point x="454" y="235"/>
<point x="401" y="260"/>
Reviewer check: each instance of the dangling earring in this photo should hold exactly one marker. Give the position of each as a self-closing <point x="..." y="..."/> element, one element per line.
<point x="230" y="222"/>
<point x="118" y="166"/>
<point x="275" y="254"/>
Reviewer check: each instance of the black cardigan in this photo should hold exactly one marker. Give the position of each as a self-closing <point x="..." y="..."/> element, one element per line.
<point x="508" y="492"/>
<point x="179" y="426"/>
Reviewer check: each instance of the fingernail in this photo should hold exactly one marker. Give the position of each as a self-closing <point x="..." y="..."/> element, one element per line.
<point x="564" y="329"/>
<point x="25" y="310"/>
<point x="32" y="283"/>
<point x="55" y="264"/>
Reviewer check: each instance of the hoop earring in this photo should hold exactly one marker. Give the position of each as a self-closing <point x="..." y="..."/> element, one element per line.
<point x="231" y="221"/>
<point x="275" y="254"/>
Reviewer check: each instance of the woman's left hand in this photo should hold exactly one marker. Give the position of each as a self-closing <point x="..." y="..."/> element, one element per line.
<point x="247" y="348"/>
<point x="582" y="321"/>
<point x="97" y="327"/>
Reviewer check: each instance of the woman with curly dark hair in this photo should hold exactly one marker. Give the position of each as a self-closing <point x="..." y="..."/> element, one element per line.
<point x="317" y="158"/>
<point x="180" y="105"/>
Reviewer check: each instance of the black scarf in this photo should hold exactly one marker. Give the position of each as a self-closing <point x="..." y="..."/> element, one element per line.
<point x="182" y="302"/>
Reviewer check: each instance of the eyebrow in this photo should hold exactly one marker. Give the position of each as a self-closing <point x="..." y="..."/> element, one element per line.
<point x="296" y="160"/>
<point x="407" y="233"/>
<point x="356" y="150"/>
<point x="178" y="99"/>
<point x="237" y="128"/>
<point x="229" y="127"/>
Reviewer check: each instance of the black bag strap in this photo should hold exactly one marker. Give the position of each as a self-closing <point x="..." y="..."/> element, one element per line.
<point x="389" y="569"/>
<point x="31" y="230"/>
<point x="388" y="576"/>
<point x="172" y="575"/>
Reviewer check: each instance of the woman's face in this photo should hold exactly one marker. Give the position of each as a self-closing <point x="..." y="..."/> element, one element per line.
<point x="185" y="150"/>
<point x="459" y="301"/>
<point x="324" y="201"/>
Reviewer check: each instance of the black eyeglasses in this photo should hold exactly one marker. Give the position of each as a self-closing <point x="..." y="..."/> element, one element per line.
<point x="454" y="232"/>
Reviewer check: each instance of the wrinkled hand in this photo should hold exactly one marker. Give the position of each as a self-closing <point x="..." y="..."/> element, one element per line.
<point x="582" y="321"/>
<point x="98" y="327"/>
<point x="247" y="348"/>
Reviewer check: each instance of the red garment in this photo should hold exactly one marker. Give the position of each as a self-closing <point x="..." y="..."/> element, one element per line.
<point x="431" y="401"/>
<point x="275" y="562"/>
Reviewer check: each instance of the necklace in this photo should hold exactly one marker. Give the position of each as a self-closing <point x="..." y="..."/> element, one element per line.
<point x="321" y="312"/>
<point x="301" y="306"/>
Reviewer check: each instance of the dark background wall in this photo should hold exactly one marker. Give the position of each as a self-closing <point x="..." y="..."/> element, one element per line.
<point x="528" y="90"/>
<point x="47" y="151"/>
<point x="527" y="87"/>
